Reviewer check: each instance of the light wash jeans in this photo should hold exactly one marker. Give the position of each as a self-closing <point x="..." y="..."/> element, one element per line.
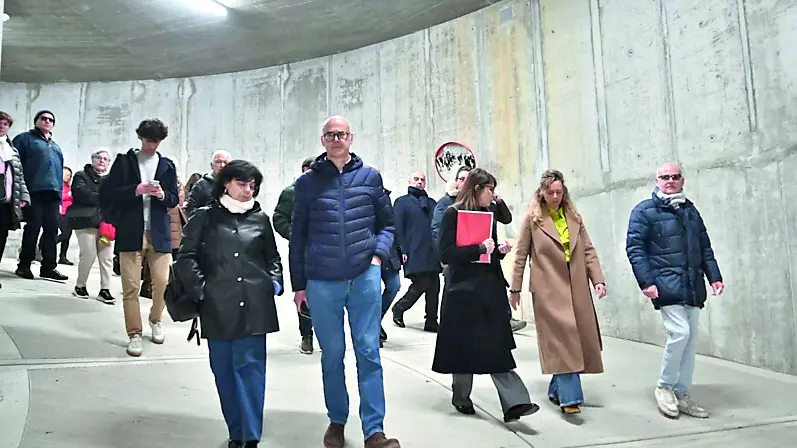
<point x="362" y="297"/>
<point x="678" y="363"/>
<point x="566" y="389"/>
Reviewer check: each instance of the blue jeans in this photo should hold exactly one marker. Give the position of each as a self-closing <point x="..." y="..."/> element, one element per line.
<point x="239" y="366"/>
<point x="678" y="362"/>
<point x="566" y="388"/>
<point x="392" y="281"/>
<point x="362" y="297"/>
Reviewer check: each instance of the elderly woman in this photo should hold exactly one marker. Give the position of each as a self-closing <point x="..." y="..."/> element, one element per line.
<point x="563" y="262"/>
<point x="229" y="260"/>
<point x="475" y="336"/>
<point x="85" y="218"/>
<point x="13" y="190"/>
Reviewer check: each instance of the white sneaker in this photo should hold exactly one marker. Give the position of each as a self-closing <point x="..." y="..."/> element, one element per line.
<point x="135" y="347"/>
<point x="157" y="332"/>
<point x="667" y="402"/>
<point x="689" y="407"/>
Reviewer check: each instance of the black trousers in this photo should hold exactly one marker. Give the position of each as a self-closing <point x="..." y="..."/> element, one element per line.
<point x="6" y="215"/>
<point x="41" y="215"/>
<point x="427" y="283"/>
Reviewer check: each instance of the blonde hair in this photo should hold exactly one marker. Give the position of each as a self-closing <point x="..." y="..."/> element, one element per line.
<point x="538" y="208"/>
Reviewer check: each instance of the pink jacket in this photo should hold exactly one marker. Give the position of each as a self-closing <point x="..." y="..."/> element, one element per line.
<point x="66" y="199"/>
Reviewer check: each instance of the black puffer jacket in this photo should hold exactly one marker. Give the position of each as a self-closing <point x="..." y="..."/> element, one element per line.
<point x="85" y="210"/>
<point x="201" y="194"/>
<point x="670" y="248"/>
<point x="232" y="261"/>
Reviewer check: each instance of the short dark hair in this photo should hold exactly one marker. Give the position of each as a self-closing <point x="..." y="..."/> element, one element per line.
<point x="237" y="170"/>
<point x="307" y="162"/>
<point x="68" y="169"/>
<point x="464" y="168"/>
<point x="152" y="129"/>
<point x="7" y="117"/>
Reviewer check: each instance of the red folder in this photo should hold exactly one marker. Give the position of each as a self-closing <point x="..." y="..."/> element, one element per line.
<point x="473" y="228"/>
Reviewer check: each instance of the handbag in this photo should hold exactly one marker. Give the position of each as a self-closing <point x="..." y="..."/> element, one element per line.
<point x="180" y="304"/>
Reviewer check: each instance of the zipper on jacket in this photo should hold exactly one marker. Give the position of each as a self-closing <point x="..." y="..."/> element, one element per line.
<point x="342" y="221"/>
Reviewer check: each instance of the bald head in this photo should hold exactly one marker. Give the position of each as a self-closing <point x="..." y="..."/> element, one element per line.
<point x="669" y="178"/>
<point x="418" y="180"/>
<point x="336" y="122"/>
<point x="336" y="138"/>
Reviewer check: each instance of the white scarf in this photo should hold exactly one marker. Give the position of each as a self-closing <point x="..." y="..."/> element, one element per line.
<point x="235" y="206"/>
<point x="6" y="153"/>
<point x="673" y="200"/>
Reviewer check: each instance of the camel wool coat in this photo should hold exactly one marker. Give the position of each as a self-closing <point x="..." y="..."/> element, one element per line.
<point x="568" y="336"/>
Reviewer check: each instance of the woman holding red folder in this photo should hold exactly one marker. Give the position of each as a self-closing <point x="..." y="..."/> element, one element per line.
<point x="475" y="336"/>
<point x="564" y="262"/>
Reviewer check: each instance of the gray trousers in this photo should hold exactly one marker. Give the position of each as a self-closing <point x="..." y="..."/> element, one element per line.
<point x="511" y="390"/>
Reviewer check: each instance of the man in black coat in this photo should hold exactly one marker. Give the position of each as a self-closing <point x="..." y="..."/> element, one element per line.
<point x="201" y="193"/>
<point x="670" y="252"/>
<point x="420" y="262"/>
<point x="136" y="198"/>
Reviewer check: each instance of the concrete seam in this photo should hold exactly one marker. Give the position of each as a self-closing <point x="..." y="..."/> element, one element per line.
<point x="748" y="71"/>
<point x="380" y="140"/>
<point x="281" y="153"/>
<point x="600" y="85"/>
<point x="728" y="428"/>
<point x="789" y="258"/>
<point x="330" y="80"/>
<point x="538" y="68"/>
<point x="81" y="113"/>
<point x="435" y="381"/>
<point x="480" y="92"/>
<point x="669" y="97"/>
<point x="427" y="60"/>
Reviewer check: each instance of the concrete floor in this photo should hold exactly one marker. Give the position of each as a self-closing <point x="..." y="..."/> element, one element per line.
<point x="65" y="381"/>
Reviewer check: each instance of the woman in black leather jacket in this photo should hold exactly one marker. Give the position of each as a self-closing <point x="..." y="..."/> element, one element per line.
<point x="229" y="259"/>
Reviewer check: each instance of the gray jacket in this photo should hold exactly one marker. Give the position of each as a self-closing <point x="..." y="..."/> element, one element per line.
<point x="18" y="186"/>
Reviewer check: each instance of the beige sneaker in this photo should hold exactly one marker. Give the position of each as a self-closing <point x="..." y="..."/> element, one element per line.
<point x="135" y="346"/>
<point x="667" y="402"/>
<point x="689" y="407"/>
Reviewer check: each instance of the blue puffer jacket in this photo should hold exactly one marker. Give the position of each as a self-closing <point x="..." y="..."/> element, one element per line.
<point x="670" y="248"/>
<point x="340" y="221"/>
<point x="42" y="162"/>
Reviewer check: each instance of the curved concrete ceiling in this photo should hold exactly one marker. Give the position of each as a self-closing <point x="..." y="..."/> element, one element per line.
<point x="111" y="40"/>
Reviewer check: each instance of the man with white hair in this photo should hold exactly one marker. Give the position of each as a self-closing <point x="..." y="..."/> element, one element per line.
<point x="670" y="253"/>
<point x="200" y="194"/>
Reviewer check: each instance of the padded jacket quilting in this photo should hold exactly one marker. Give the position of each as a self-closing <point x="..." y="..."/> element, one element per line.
<point x="340" y="221"/>
<point x="670" y="248"/>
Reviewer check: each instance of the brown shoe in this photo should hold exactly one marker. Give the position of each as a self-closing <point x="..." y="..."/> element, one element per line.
<point x="333" y="438"/>
<point x="378" y="440"/>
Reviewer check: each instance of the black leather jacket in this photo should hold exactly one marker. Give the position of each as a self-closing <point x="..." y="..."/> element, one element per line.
<point x="231" y="261"/>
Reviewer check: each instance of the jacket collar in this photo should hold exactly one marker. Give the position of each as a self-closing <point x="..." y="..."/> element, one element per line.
<point x="573" y="228"/>
<point x="325" y="167"/>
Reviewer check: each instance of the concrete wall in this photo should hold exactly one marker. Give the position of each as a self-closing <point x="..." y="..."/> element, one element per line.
<point x="604" y="90"/>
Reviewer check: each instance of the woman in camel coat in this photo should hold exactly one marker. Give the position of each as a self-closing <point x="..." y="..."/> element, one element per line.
<point x="563" y="262"/>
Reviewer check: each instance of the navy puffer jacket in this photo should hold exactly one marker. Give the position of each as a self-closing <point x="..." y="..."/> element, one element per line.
<point x="340" y="221"/>
<point x="670" y="248"/>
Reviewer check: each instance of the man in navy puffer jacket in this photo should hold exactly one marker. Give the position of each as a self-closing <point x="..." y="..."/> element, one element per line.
<point x="670" y="253"/>
<point x="341" y="233"/>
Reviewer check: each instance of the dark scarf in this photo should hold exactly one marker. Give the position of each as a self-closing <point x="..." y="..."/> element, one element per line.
<point x="423" y="199"/>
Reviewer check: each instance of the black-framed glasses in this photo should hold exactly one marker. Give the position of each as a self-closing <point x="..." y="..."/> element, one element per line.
<point x="46" y="118"/>
<point x="340" y="135"/>
<point x="666" y="177"/>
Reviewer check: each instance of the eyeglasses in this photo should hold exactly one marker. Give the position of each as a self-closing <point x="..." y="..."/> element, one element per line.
<point x="103" y="159"/>
<point x="45" y="118"/>
<point x="670" y="177"/>
<point x="340" y="135"/>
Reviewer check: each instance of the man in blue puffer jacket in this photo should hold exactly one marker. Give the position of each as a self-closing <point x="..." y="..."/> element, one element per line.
<point x="670" y="253"/>
<point x="341" y="233"/>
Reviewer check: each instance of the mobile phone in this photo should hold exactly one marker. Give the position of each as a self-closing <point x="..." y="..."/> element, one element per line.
<point x="154" y="183"/>
<point x="304" y="310"/>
